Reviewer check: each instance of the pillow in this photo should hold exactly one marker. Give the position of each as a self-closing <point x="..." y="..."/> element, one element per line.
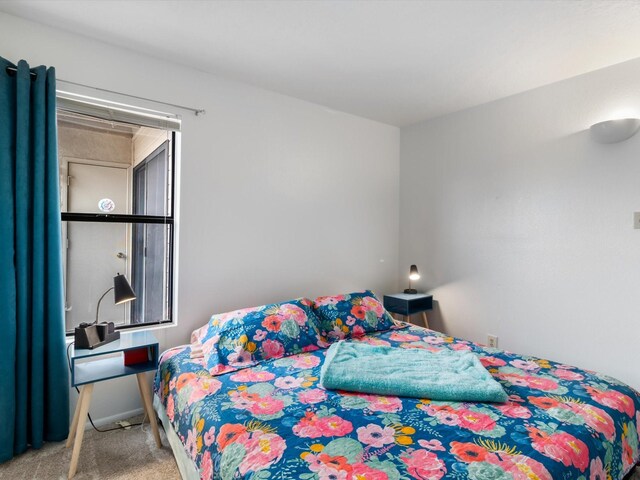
<point x="246" y="337"/>
<point x="351" y="315"/>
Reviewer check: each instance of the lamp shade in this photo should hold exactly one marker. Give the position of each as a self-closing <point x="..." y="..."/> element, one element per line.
<point x="122" y="291"/>
<point x="413" y="273"/>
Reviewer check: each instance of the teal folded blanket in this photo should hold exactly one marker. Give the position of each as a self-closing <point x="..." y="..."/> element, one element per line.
<point x="402" y="372"/>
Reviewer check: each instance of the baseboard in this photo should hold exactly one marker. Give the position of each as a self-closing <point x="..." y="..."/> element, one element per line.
<point x="98" y="422"/>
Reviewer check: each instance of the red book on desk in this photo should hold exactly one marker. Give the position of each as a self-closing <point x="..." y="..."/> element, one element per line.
<point x="139" y="355"/>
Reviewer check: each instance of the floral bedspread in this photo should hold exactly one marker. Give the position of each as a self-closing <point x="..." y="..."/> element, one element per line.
<point x="274" y="421"/>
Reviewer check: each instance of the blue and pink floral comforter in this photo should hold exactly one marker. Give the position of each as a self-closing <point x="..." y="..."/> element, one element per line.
<point x="274" y="421"/>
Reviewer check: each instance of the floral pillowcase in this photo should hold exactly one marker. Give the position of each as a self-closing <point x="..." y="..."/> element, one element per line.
<point x="351" y="315"/>
<point x="243" y="338"/>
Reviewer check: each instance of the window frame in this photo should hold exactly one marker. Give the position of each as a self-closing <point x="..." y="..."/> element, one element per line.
<point x="169" y="220"/>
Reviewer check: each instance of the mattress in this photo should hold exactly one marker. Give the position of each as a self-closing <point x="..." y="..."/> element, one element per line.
<point x="274" y="421"/>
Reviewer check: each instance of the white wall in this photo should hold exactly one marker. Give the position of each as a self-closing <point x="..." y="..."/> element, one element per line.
<point x="280" y="198"/>
<point x="521" y="225"/>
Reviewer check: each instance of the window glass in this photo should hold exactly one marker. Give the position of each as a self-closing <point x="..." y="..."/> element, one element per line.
<point x="98" y="157"/>
<point x="117" y="209"/>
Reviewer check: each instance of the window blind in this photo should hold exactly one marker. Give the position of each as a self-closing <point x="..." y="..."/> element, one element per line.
<point x="117" y="112"/>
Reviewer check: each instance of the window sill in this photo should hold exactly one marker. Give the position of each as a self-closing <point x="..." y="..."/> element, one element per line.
<point x="124" y="329"/>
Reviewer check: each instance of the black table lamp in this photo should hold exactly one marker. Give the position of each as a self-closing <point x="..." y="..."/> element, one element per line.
<point x="413" y="275"/>
<point x="122" y="292"/>
<point x="92" y="335"/>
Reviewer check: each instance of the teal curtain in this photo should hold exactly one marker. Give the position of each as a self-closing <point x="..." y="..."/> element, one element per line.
<point x="34" y="389"/>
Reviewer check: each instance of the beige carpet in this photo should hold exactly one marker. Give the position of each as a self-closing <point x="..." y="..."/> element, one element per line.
<point x="121" y="454"/>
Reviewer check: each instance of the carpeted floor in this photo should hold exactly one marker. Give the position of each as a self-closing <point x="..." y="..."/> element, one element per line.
<point x="122" y="454"/>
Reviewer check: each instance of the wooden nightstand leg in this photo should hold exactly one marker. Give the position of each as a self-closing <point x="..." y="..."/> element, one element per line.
<point x="80" y="423"/>
<point x="145" y="394"/>
<point x="426" y="321"/>
<point x="74" y="423"/>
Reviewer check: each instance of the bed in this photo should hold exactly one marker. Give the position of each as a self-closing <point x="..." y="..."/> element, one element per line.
<point x="274" y="421"/>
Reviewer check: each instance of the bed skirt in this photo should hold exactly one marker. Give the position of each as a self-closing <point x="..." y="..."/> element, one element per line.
<point x="187" y="468"/>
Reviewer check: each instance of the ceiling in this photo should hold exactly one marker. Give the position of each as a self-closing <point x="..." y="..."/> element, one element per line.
<point x="398" y="62"/>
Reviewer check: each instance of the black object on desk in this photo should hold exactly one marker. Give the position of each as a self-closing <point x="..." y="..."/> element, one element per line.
<point x="92" y="335"/>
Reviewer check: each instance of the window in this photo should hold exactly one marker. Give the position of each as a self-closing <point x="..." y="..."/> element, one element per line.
<point x="117" y="177"/>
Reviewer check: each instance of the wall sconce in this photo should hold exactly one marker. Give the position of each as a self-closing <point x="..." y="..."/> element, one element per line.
<point x="614" y="131"/>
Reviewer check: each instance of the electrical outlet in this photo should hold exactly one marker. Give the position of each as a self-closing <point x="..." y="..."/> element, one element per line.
<point x="636" y="220"/>
<point x="124" y="424"/>
<point x="492" y="341"/>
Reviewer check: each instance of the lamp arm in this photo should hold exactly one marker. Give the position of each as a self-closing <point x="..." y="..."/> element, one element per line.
<point x="98" y="308"/>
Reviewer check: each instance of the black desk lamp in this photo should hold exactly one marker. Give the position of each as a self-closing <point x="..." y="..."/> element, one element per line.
<point x="122" y="292"/>
<point x="413" y="275"/>
<point x="92" y="335"/>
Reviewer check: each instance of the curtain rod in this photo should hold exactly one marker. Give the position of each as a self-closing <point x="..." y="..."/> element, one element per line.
<point x="197" y="111"/>
<point x="13" y="70"/>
